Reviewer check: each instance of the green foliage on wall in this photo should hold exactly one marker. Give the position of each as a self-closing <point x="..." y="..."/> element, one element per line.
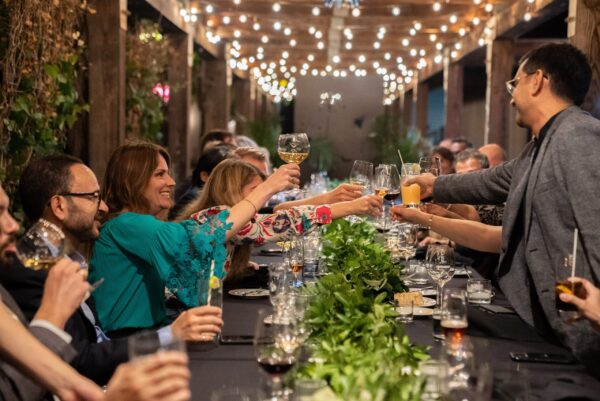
<point x="40" y="48"/>
<point x="146" y="65"/>
<point x="388" y="136"/>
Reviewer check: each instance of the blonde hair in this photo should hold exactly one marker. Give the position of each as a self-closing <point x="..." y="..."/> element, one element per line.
<point x="252" y="153"/>
<point x="225" y="187"/>
<point x="127" y="174"/>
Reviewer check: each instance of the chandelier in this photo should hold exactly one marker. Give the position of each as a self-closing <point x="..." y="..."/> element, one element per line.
<point x="341" y="3"/>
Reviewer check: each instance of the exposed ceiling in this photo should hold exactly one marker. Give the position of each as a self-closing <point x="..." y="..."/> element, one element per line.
<point x="304" y="37"/>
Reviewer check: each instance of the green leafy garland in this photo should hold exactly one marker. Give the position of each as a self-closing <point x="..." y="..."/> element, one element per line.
<point x="352" y="249"/>
<point x="357" y="347"/>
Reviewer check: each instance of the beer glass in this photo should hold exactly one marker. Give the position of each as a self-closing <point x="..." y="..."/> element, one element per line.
<point x="454" y="314"/>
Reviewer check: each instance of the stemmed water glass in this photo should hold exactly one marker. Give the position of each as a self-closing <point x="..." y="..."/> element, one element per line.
<point x="293" y="148"/>
<point x="382" y="184"/>
<point x="42" y="246"/>
<point x="440" y="266"/>
<point x="361" y="174"/>
<point x="275" y="347"/>
<point x="431" y="165"/>
<point x="295" y="257"/>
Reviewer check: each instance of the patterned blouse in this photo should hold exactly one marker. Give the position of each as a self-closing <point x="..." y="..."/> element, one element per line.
<point x="271" y="227"/>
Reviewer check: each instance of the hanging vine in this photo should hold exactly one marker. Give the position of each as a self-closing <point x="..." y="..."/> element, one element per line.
<point x="147" y="90"/>
<point x="39" y="48"/>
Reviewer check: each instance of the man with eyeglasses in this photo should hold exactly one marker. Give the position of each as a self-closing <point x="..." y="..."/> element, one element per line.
<point x="65" y="192"/>
<point x="550" y="189"/>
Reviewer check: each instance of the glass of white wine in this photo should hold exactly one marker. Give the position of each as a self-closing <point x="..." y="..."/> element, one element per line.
<point x="42" y="246"/>
<point x="293" y="148"/>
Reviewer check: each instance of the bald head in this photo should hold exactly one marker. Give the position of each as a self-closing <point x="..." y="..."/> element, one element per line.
<point x="494" y="153"/>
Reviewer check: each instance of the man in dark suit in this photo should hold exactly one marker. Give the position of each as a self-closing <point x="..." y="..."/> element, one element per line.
<point x="65" y="287"/>
<point x="63" y="191"/>
<point x="550" y="189"/>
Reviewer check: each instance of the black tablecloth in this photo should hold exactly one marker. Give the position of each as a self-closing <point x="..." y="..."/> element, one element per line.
<point x="493" y="336"/>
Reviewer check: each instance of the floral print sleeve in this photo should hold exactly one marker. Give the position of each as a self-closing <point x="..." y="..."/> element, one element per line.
<point x="277" y="226"/>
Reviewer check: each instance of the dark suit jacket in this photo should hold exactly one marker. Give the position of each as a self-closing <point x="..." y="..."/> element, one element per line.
<point x="14" y="385"/>
<point x="97" y="361"/>
<point x="546" y="200"/>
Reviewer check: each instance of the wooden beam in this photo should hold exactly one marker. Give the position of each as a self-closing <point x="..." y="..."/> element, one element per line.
<point x="584" y="33"/>
<point x="215" y="87"/>
<point x="106" y="54"/>
<point x="180" y="77"/>
<point x="500" y="62"/>
<point x="243" y="98"/>
<point x="407" y="109"/>
<point x="453" y="96"/>
<point x="422" y="95"/>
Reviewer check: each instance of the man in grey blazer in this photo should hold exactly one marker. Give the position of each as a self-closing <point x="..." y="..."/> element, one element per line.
<point x="64" y="290"/>
<point x="550" y="189"/>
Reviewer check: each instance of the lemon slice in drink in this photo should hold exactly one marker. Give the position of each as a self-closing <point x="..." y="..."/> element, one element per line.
<point x="214" y="283"/>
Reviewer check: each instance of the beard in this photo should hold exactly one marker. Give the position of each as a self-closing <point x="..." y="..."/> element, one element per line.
<point x="7" y="256"/>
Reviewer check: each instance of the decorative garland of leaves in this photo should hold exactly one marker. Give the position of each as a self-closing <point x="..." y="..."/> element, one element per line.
<point x="39" y="48"/>
<point x="351" y="249"/>
<point x="146" y="65"/>
<point x="357" y="346"/>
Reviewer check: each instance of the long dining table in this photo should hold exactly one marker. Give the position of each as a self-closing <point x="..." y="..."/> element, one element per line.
<point x="494" y="335"/>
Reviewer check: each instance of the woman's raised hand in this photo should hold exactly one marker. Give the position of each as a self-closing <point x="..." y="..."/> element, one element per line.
<point x="286" y="177"/>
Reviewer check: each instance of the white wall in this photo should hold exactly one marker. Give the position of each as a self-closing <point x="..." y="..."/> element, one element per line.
<point x="361" y="99"/>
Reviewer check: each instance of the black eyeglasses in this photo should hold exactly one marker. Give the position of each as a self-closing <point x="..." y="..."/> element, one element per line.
<point x="92" y="196"/>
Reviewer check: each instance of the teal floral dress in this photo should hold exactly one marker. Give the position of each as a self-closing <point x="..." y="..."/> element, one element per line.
<point x="139" y="256"/>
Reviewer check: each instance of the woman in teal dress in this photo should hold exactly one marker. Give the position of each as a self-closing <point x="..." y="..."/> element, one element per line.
<point x="138" y="254"/>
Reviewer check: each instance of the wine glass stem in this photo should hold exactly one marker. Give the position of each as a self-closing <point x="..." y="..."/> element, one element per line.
<point x="276" y="387"/>
<point x="440" y="287"/>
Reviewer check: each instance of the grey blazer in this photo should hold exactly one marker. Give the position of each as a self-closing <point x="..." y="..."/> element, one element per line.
<point x="551" y="196"/>
<point x="13" y="384"/>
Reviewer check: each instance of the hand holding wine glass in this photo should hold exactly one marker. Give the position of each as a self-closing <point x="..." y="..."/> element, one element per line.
<point x="293" y="148"/>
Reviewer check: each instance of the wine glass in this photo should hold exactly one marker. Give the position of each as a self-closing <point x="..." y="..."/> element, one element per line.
<point x="293" y="148"/>
<point x="275" y="348"/>
<point x="295" y="255"/>
<point x="430" y="165"/>
<point x="440" y="266"/>
<point x="361" y="174"/>
<point x="382" y="184"/>
<point x="42" y="246"/>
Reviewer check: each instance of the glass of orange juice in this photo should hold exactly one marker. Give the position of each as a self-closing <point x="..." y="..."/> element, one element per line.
<point x="411" y="194"/>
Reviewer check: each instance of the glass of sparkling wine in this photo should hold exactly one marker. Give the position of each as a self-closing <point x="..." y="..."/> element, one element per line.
<point x="42" y="246"/>
<point x="411" y="194"/>
<point x="293" y="148"/>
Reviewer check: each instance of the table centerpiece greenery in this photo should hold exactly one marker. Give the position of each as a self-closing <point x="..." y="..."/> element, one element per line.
<point x="356" y="346"/>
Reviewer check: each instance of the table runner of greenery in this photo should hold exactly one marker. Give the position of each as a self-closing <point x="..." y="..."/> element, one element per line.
<point x="357" y="347"/>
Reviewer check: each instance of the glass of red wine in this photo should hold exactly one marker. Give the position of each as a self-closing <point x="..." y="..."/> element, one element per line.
<point x="275" y="348"/>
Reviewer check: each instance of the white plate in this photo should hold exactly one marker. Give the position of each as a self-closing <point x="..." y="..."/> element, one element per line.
<point x="249" y="292"/>
<point x="461" y="272"/>
<point x="419" y="311"/>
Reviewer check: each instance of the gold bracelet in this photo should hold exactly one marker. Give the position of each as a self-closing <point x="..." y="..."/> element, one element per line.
<point x="252" y="204"/>
<point x="429" y="222"/>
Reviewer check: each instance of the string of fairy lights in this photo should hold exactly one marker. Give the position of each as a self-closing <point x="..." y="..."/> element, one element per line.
<point x="254" y="42"/>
